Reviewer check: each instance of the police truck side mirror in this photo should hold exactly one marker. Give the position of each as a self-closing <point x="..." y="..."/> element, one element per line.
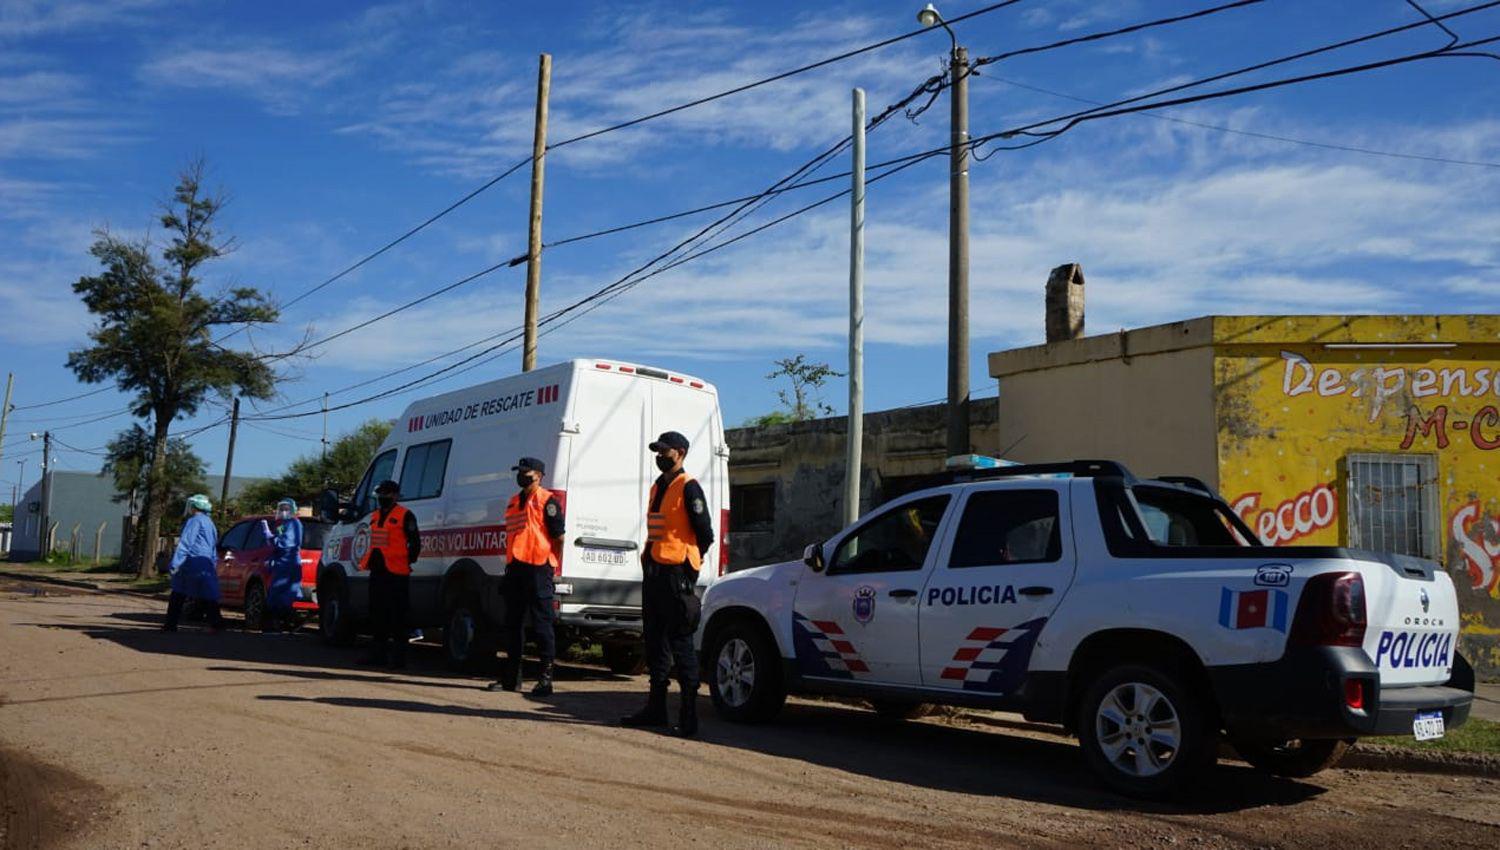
<point x="812" y="556"/>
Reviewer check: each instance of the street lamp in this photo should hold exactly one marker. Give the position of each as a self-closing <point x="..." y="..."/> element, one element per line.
<point x="958" y="240"/>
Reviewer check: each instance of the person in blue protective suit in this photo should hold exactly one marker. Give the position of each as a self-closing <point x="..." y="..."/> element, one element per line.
<point x="285" y="541"/>
<point x="194" y="566"/>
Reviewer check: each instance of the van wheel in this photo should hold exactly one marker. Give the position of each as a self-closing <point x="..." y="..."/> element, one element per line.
<point x="1296" y="758"/>
<point x="1143" y="732"/>
<point x="744" y="675"/>
<point x="624" y="659"/>
<point x="255" y="607"/>
<point x="335" y="620"/>
<point x="468" y="638"/>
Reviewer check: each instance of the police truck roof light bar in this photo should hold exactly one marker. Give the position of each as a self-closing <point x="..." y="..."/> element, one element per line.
<point x="1075" y="468"/>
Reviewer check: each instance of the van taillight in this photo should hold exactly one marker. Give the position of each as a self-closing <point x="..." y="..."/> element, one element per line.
<point x="723" y="542"/>
<point x="1331" y="611"/>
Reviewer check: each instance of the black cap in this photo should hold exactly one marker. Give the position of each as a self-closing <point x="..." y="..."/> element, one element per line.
<point x="530" y="464"/>
<point x="669" y="440"/>
<point x="388" y="486"/>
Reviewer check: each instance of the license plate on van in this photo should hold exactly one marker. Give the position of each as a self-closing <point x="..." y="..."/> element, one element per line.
<point x="1428" y="726"/>
<point x="604" y="557"/>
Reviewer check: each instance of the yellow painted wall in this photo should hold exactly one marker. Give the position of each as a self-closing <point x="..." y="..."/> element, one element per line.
<point x="1296" y="395"/>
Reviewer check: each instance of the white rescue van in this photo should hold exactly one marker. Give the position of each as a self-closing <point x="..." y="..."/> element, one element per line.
<point x="590" y="422"/>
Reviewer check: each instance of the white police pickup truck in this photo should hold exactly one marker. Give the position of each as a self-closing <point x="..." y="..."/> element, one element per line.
<point x="1142" y="615"/>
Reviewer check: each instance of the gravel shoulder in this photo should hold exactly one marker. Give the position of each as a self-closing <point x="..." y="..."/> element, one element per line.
<point x="113" y="734"/>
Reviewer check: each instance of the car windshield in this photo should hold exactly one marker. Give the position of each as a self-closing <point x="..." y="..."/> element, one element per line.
<point x="1176" y="517"/>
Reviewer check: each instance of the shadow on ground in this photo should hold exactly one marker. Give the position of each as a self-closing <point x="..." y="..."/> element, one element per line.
<point x="929" y="754"/>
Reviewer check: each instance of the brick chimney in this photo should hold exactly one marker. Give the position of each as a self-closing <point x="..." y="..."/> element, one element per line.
<point x="1065" y="303"/>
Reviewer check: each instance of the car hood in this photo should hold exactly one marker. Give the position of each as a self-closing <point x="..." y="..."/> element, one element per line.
<point x="770" y="572"/>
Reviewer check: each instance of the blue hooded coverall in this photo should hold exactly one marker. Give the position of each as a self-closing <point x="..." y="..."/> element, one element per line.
<point x="194" y="563"/>
<point x="286" y="566"/>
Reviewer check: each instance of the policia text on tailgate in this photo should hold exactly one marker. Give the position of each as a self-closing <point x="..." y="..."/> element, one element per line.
<point x="1142" y="615"/>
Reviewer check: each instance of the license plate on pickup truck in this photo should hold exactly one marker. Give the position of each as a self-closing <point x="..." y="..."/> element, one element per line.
<point x="1428" y="726"/>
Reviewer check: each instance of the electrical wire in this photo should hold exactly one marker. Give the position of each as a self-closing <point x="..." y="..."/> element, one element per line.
<point x="1099" y="36"/>
<point x="1256" y="134"/>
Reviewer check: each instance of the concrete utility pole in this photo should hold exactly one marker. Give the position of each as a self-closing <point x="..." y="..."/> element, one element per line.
<point x="10" y="379"/>
<point x="234" y="427"/>
<point x="534" y="239"/>
<point x="958" y="239"/>
<point x="856" y="314"/>
<point x="46" y="511"/>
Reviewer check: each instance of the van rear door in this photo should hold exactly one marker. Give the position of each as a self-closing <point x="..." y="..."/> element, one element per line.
<point x="695" y="414"/>
<point x="606" y="489"/>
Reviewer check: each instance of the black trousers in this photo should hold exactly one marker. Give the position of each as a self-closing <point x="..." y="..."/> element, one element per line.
<point x="669" y="640"/>
<point x="528" y="590"/>
<point x="178" y="599"/>
<point x="390" y="600"/>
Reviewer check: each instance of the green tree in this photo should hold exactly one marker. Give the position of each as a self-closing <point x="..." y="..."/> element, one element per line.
<point x="7" y="513"/>
<point x="310" y="474"/>
<point x="127" y="460"/>
<point x="803" y="400"/>
<point x="155" y="325"/>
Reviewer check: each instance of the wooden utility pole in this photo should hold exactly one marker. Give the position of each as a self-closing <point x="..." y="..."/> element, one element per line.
<point x="534" y="238"/>
<point x="43" y="545"/>
<point x="234" y="427"/>
<point x="856" y="314"/>
<point x="10" y="379"/>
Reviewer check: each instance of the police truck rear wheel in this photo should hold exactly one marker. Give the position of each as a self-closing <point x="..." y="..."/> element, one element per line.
<point x="1295" y="758"/>
<point x="1143" y="732"/>
<point x="744" y="675"/>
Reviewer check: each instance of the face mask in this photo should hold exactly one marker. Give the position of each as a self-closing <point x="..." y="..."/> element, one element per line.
<point x="386" y="500"/>
<point x="523" y="480"/>
<point x="664" y="463"/>
<point x="283" y="515"/>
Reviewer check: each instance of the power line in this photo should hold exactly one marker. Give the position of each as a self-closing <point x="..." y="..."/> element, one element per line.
<point x="1098" y="36"/>
<point x="60" y="400"/>
<point x="777" y="77"/>
<point x="1257" y="134"/>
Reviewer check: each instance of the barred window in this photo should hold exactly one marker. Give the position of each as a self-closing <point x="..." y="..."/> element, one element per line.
<point x="1393" y="503"/>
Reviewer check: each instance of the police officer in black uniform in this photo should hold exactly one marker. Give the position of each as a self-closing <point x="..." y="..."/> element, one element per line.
<point x="679" y="535"/>
<point x="395" y="545"/>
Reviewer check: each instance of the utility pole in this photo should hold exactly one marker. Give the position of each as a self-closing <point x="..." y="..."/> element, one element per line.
<point x="534" y="239"/>
<point x="324" y="459"/>
<point x="234" y="427"/>
<point x="958" y="238"/>
<point x="10" y="379"/>
<point x="856" y="314"/>
<point x="42" y="548"/>
<point x="958" y="259"/>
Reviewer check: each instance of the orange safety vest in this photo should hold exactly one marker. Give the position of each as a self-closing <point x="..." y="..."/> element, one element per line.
<point x="669" y="534"/>
<point x="389" y="538"/>
<point x="526" y="537"/>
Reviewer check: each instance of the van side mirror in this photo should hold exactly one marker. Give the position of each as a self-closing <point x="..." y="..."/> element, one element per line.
<point x="812" y="556"/>
<point x="329" y="509"/>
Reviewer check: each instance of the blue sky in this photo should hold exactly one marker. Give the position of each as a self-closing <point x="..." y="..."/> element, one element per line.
<point x="335" y="127"/>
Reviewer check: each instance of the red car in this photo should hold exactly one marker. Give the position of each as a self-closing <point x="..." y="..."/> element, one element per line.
<point x="245" y="571"/>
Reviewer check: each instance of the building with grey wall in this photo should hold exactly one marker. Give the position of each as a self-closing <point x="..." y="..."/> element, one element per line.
<point x="786" y="481"/>
<point x="84" y="500"/>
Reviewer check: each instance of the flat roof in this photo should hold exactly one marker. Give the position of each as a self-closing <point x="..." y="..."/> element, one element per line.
<point x="1222" y="331"/>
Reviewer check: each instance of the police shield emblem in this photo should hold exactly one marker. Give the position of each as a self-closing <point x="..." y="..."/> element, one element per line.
<point x="864" y="604"/>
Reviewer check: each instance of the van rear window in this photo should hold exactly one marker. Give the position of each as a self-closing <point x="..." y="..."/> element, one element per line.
<point x="422" y="473"/>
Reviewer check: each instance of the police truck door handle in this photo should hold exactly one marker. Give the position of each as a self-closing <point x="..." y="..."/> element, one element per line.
<point x="902" y="593"/>
<point x="1035" y="591"/>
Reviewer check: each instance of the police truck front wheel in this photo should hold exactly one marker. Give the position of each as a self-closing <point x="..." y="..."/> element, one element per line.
<point x="1144" y="733"/>
<point x="1296" y="758"/>
<point x="744" y="674"/>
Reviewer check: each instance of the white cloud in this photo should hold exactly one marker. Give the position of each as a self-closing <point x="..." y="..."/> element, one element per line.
<point x="27" y="18"/>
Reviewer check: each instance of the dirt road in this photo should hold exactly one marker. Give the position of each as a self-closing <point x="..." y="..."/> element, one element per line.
<point x="113" y="734"/>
